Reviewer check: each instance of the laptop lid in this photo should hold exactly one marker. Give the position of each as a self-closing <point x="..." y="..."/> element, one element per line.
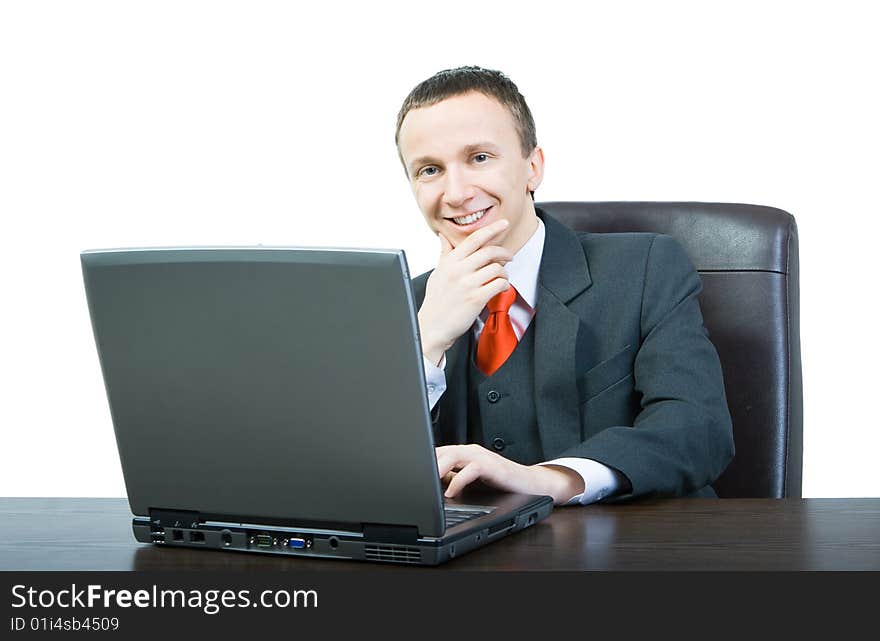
<point x="280" y="384"/>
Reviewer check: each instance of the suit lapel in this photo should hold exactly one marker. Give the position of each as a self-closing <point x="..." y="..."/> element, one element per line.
<point x="563" y="275"/>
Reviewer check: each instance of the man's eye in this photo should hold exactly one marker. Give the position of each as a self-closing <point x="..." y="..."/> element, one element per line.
<point x="428" y="171"/>
<point x="481" y="157"/>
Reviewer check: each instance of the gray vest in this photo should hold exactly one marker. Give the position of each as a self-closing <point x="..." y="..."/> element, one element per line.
<point x="501" y="407"/>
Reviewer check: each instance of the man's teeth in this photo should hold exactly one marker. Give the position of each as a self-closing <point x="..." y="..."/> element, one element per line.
<point x="471" y="218"/>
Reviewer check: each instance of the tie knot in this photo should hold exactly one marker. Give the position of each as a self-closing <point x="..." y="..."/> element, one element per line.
<point x="502" y="302"/>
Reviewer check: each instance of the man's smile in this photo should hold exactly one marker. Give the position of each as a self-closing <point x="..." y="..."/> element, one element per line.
<point x="472" y="220"/>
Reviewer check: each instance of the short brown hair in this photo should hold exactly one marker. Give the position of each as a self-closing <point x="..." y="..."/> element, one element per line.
<point x="455" y="82"/>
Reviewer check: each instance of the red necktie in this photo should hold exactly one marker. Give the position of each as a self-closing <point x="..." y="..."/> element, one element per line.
<point x="497" y="340"/>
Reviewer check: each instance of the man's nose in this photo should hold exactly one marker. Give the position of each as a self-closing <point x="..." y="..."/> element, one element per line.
<point x="458" y="188"/>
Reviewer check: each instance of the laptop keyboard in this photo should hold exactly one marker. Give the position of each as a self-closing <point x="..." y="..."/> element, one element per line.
<point x="456" y="515"/>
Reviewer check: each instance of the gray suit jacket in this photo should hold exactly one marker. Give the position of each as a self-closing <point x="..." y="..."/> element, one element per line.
<point x="625" y="373"/>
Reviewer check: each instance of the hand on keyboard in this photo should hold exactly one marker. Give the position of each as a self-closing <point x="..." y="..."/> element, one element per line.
<point x="460" y="465"/>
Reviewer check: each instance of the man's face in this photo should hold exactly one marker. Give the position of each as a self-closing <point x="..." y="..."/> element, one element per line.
<point x="464" y="159"/>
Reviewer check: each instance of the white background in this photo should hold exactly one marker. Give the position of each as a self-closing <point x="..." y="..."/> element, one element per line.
<point x="175" y="123"/>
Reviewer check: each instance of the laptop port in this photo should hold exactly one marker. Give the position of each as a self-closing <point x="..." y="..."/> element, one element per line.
<point x="296" y="543"/>
<point x="197" y="537"/>
<point x="177" y="535"/>
<point x="264" y="541"/>
<point x="498" y="527"/>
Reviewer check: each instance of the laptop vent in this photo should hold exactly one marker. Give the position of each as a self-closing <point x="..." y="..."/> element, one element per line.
<point x="392" y="553"/>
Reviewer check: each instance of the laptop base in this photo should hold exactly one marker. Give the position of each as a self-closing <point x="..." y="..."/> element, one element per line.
<point x="340" y="544"/>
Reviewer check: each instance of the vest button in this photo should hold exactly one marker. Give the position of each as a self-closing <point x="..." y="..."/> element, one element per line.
<point x="498" y="443"/>
<point x="493" y="396"/>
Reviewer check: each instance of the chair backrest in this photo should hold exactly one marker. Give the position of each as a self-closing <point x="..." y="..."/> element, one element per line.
<point x="747" y="257"/>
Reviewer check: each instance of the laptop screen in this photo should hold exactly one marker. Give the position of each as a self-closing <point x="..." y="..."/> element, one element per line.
<point x="283" y="383"/>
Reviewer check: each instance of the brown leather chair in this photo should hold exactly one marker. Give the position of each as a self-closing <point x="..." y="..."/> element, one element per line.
<point x="747" y="257"/>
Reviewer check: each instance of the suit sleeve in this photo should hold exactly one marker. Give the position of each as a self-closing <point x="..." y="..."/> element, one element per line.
<point x="682" y="438"/>
<point x="434" y="375"/>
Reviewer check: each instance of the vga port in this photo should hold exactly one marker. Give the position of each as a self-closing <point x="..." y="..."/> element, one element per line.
<point x="297" y="543"/>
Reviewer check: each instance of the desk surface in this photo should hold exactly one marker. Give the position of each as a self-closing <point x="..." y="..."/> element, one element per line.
<point x="657" y="534"/>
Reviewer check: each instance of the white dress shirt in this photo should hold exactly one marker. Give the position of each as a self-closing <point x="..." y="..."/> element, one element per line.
<point x="600" y="481"/>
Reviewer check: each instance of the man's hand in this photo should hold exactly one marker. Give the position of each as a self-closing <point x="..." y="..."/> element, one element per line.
<point x="465" y="279"/>
<point x="460" y="465"/>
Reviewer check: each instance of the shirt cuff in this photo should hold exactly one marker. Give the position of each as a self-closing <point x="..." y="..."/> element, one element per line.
<point x="435" y="380"/>
<point x="600" y="481"/>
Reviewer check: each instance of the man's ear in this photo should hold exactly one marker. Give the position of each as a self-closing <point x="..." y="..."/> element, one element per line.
<point x="536" y="169"/>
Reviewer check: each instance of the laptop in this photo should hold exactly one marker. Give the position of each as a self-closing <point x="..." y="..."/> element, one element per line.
<point x="272" y="400"/>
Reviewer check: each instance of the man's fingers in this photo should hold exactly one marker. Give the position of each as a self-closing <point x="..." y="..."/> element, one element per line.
<point x="446" y="464"/>
<point x="476" y="462"/>
<point x="486" y="256"/>
<point x="468" y="474"/>
<point x="450" y="457"/>
<point x="482" y="236"/>
<point x="489" y="273"/>
<point x="493" y="288"/>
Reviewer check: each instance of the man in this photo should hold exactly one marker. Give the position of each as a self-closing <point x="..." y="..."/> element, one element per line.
<point x="574" y="365"/>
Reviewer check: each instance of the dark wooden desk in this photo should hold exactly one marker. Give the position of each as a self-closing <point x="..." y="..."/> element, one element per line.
<point x="673" y="534"/>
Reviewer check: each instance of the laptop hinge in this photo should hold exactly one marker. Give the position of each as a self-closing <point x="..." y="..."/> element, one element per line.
<point x="174" y="518"/>
<point x="404" y="534"/>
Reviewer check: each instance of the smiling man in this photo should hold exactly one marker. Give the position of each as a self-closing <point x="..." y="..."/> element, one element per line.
<point x="571" y="365"/>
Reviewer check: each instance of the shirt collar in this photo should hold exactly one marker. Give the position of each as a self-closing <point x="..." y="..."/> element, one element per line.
<point x="523" y="270"/>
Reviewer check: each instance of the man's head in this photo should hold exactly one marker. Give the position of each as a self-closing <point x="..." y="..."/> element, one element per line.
<point x="467" y="142"/>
